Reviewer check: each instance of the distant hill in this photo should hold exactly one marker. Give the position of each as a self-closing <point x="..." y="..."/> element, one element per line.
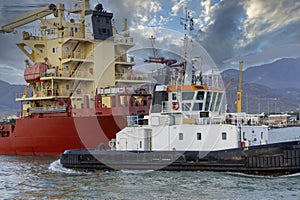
<point x="267" y="88"/>
<point x="8" y="105"/>
<point x="282" y="74"/>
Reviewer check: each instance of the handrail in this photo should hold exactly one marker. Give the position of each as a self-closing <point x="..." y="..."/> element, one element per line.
<point x="135" y="77"/>
<point x="47" y="109"/>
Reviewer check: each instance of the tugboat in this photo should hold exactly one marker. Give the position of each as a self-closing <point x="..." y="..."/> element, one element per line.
<point x="79" y="81"/>
<point x="187" y="130"/>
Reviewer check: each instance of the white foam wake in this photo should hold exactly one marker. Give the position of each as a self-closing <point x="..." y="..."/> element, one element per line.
<point x="57" y="167"/>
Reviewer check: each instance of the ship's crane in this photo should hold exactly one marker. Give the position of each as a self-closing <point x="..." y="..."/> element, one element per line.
<point x="29" y="17"/>
<point x="239" y="91"/>
<point x="228" y="84"/>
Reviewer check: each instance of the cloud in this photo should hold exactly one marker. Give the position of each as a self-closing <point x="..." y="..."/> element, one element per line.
<point x="220" y="35"/>
<point x="264" y="17"/>
<point x="10" y="53"/>
<point x="177" y="6"/>
<point x="138" y="12"/>
<point x="235" y="29"/>
<point x="271" y="30"/>
<point x="11" y="74"/>
<point x="206" y="13"/>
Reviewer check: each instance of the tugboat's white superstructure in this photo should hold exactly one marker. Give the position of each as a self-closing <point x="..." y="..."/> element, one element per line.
<point x="186" y="118"/>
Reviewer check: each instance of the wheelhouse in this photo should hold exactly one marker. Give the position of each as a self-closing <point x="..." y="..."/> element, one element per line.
<point x="191" y="99"/>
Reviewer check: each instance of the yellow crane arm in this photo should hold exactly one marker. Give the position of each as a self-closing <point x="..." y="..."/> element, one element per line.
<point x="240" y="90"/>
<point x="28" y="17"/>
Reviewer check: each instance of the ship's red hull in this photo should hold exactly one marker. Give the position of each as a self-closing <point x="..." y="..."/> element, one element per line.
<point x="51" y="136"/>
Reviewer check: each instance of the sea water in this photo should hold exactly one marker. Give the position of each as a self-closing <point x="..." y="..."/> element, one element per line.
<point x="26" y="177"/>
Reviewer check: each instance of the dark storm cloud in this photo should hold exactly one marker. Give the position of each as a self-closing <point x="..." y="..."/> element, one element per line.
<point x="220" y="38"/>
<point x="240" y="29"/>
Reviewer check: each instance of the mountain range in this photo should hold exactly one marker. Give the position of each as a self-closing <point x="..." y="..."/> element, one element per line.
<point x="269" y="88"/>
<point x="8" y="94"/>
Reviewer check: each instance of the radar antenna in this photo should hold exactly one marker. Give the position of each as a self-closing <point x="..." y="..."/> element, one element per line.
<point x="187" y="21"/>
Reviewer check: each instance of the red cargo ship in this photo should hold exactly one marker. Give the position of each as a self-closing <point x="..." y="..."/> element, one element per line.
<point x="80" y="83"/>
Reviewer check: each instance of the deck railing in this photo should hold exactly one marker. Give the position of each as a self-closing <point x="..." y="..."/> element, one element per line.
<point x="132" y="77"/>
<point x="47" y="109"/>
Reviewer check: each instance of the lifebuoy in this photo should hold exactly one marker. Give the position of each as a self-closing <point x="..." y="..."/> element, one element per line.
<point x="175" y="105"/>
<point x="112" y="143"/>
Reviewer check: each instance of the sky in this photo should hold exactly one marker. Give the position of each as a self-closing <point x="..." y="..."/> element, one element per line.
<point x="255" y="31"/>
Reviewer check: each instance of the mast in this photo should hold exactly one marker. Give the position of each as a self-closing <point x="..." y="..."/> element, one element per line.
<point x="239" y="92"/>
<point x="188" y="23"/>
<point x="152" y="40"/>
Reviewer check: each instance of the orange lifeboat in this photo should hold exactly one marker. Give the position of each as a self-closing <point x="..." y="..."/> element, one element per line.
<point x="34" y="73"/>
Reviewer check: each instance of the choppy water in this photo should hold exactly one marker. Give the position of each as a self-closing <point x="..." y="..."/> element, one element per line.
<point x="44" y="178"/>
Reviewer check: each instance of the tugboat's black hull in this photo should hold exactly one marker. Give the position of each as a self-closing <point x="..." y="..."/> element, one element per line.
<point x="271" y="160"/>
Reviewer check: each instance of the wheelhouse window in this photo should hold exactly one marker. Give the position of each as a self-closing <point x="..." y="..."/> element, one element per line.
<point x="212" y="106"/>
<point x="219" y="99"/>
<point x="180" y="136"/>
<point x="187" y="95"/>
<point x="208" y="95"/>
<point x="197" y="106"/>
<point x="158" y="98"/>
<point x="186" y="106"/>
<point x="199" y="136"/>
<point x="224" y="136"/>
<point x="200" y="95"/>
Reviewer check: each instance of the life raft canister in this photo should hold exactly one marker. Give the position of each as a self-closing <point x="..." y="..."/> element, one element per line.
<point x="175" y="105"/>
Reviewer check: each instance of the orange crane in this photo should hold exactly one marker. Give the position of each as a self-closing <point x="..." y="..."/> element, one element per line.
<point x="239" y="91"/>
